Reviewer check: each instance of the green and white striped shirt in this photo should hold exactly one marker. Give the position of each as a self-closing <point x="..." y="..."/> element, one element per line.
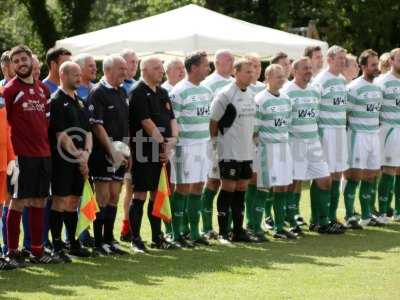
<point x="365" y="99"/>
<point x="304" y="111"/>
<point x="333" y="104"/>
<point x="191" y="104"/>
<point x="390" y="110"/>
<point x="273" y="117"/>
<point x="216" y="82"/>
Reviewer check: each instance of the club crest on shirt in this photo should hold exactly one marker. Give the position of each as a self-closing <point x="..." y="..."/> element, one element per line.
<point x="80" y="103"/>
<point x="31" y="91"/>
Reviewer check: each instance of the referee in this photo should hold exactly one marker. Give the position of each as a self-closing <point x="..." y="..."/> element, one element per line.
<point x="71" y="145"/>
<point x="153" y="130"/>
<point x="108" y="108"/>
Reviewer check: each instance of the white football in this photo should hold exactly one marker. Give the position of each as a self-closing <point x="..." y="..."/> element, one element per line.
<point x="122" y="148"/>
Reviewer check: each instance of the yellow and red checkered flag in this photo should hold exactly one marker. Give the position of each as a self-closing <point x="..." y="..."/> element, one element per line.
<point x="162" y="207"/>
<point x="87" y="210"/>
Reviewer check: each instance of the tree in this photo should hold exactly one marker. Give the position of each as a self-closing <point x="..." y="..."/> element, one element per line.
<point x="66" y="17"/>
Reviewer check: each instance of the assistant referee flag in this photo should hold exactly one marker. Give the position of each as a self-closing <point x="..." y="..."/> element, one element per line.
<point x="87" y="210"/>
<point x="162" y="207"/>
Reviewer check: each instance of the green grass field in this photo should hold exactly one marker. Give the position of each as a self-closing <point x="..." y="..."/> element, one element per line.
<point x="358" y="265"/>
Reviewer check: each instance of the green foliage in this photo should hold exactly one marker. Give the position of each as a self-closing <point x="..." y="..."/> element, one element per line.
<point x="355" y="24"/>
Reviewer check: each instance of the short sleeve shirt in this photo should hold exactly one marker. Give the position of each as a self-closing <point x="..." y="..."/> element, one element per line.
<point x="237" y="141"/>
<point x="147" y="104"/>
<point x="67" y="115"/>
<point x="109" y="107"/>
<point x="27" y="113"/>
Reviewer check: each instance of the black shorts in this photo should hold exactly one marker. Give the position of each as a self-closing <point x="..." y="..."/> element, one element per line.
<point x="66" y="179"/>
<point x="235" y="170"/>
<point x="102" y="170"/>
<point x="34" y="177"/>
<point x="145" y="176"/>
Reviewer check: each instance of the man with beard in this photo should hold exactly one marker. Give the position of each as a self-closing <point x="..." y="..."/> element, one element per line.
<point x="154" y="132"/>
<point x="71" y="145"/>
<point x="108" y="108"/>
<point x="390" y="137"/>
<point x="365" y="100"/>
<point x="27" y="113"/>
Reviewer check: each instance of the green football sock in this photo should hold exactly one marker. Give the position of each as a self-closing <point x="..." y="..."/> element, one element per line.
<point x="349" y="196"/>
<point x="296" y="202"/>
<point x="185" y="218"/>
<point x="385" y="189"/>
<point x="194" y="211"/>
<point x="372" y="200"/>
<point x="249" y="199"/>
<point x="291" y="208"/>
<point x="177" y="206"/>
<point x="335" y="194"/>
<point x="258" y="209"/>
<point x="168" y="227"/>
<point x="397" y="195"/>
<point x="279" y="210"/>
<point x="323" y="199"/>
<point x="390" y="199"/>
<point x="365" y="194"/>
<point x="314" y="204"/>
<point x="207" y="200"/>
<point x="268" y="204"/>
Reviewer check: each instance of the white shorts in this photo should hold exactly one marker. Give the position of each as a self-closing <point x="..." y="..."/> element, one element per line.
<point x="334" y="145"/>
<point x="190" y="164"/>
<point x="273" y="164"/>
<point x="390" y="146"/>
<point x="308" y="160"/>
<point x="364" y="150"/>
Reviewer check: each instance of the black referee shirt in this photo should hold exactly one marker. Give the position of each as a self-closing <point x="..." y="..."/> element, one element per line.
<point x="69" y="115"/>
<point x="108" y="106"/>
<point x="147" y="104"/>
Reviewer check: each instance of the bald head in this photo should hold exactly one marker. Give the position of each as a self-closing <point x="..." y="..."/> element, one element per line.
<point x="152" y="70"/>
<point x="70" y="76"/>
<point x="223" y="61"/>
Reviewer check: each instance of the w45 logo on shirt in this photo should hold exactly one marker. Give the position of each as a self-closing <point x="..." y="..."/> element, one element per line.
<point x="280" y="122"/>
<point x="307" y="113"/>
<point x="374" y="107"/>
<point x="339" y="101"/>
<point x="203" y="111"/>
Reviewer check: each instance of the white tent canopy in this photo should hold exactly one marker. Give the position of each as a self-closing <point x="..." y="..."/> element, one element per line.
<point x="187" y="29"/>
